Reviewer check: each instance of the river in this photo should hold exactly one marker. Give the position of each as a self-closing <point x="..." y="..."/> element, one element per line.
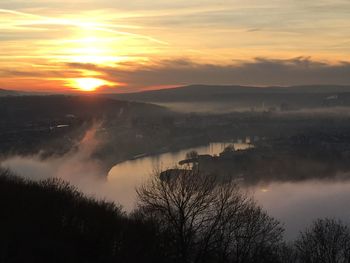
<point x="126" y="176"/>
<point x="294" y="204"/>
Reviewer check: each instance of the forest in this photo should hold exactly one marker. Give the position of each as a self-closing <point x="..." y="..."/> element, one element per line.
<point x="185" y="218"/>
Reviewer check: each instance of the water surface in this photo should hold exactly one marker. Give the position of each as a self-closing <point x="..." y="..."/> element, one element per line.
<point x="126" y="176"/>
<point x="296" y="204"/>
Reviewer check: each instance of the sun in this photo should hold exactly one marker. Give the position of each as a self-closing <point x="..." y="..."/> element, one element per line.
<point x="88" y="84"/>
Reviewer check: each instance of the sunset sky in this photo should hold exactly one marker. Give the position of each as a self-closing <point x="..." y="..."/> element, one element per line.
<point x="126" y="46"/>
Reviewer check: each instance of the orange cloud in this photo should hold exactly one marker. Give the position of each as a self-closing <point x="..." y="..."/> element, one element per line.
<point x="139" y="44"/>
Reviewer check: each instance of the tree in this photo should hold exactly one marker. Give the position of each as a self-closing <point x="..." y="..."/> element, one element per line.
<point x="229" y="148"/>
<point x="327" y="241"/>
<point x="51" y="221"/>
<point x="208" y="220"/>
<point x="192" y="155"/>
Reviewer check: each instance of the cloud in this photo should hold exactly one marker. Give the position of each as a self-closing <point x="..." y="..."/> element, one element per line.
<point x="260" y="72"/>
<point x="42" y="22"/>
<point x="104" y="32"/>
<point x="59" y="73"/>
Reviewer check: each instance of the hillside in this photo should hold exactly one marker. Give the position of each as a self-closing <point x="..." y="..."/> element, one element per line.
<point x="32" y="124"/>
<point x="51" y="221"/>
<point x="295" y="97"/>
<point x="201" y="92"/>
<point x="4" y="92"/>
<point x="58" y="106"/>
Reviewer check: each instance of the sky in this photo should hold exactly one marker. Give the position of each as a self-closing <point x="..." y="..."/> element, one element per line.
<point x="128" y="46"/>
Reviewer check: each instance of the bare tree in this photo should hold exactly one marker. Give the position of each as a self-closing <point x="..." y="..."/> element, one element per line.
<point x="327" y="241"/>
<point x="209" y="221"/>
<point x="192" y="155"/>
<point x="230" y="148"/>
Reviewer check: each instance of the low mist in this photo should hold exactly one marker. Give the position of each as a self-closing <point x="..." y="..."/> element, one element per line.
<point x="296" y="204"/>
<point x="77" y="167"/>
<point x="212" y="107"/>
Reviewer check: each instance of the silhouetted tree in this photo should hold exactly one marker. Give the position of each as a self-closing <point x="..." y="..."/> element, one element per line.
<point x="327" y="241"/>
<point x="51" y="221"/>
<point x="209" y="221"/>
<point x="191" y="155"/>
<point x="229" y="148"/>
<point x="286" y="253"/>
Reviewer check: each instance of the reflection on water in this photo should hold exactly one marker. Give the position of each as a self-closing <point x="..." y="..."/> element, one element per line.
<point x="295" y="204"/>
<point x="127" y="175"/>
<point x="298" y="204"/>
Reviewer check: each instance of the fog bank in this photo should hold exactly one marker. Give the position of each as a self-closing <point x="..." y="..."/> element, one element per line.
<point x="297" y="204"/>
<point x="77" y="167"/>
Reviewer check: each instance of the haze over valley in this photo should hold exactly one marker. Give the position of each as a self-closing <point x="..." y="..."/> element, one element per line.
<point x="174" y="131"/>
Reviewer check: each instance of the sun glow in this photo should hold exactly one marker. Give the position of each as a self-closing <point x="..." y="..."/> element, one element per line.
<point x="87" y="84"/>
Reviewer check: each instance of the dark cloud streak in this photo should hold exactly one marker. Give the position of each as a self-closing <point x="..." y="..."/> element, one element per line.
<point x="258" y="72"/>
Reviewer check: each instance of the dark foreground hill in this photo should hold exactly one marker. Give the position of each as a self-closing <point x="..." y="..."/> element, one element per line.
<point x="50" y="221"/>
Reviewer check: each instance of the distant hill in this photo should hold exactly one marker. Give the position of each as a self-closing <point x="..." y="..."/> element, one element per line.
<point x="4" y="92"/>
<point x="50" y="125"/>
<point x="210" y="93"/>
<point x="57" y="106"/>
<point x="244" y="97"/>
